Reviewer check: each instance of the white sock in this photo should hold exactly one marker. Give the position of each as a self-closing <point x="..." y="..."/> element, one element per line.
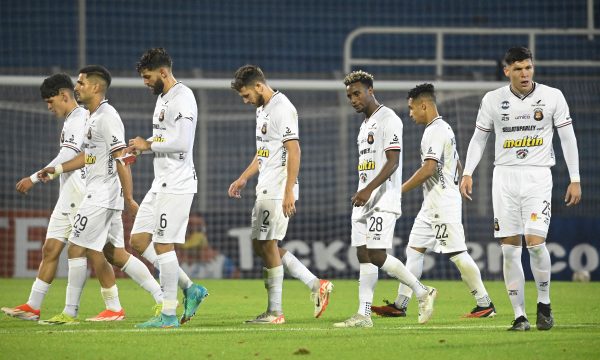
<point x="396" y="268"/>
<point x="139" y="272"/>
<point x="39" y="289"/>
<point x="169" y="272"/>
<point x="111" y="298"/>
<point x="539" y="259"/>
<point x="367" y="280"/>
<point x="183" y="281"/>
<point x="469" y="271"/>
<point x="514" y="278"/>
<point x="296" y="269"/>
<point x="76" y="280"/>
<point x="275" y="288"/>
<point x="414" y="264"/>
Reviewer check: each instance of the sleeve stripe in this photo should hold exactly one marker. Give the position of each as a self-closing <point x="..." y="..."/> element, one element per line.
<point x="117" y="147"/>
<point x="292" y="138"/>
<point x="432" y="158"/>
<point x="564" y="124"/>
<point x="71" y="147"/>
<point x="483" y="129"/>
<point x="392" y="148"/>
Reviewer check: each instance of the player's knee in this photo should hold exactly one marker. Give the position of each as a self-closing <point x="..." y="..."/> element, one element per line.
<point x="51" y="249"/>
<point x="139" y="242"/>
<point x="362" y="254"/>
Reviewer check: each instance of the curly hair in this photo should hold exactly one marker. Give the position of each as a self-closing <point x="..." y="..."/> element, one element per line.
<point x="359" y="76"/>
<point x="154" y="58"/>
<point x="53" y="84"/>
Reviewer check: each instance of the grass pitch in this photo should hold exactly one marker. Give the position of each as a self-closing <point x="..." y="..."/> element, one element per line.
<point x="218" y="331"/>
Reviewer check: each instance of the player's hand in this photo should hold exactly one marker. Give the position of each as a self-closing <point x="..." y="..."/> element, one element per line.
<point x="573" y="195"/>
<point x="46" y="174"/>
<point x="132" y="207"/>
<point x="130" y="150"/>
<point x="289" y="204"/>
<point x="24" y="185"/>
<point x="361" y="197"/>
<point x="466" y="187"/>
<point x="140" y="144"/>
<point x="235" y="189"/>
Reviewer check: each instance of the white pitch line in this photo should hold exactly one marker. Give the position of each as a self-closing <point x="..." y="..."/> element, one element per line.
<point x="258" y="328"/>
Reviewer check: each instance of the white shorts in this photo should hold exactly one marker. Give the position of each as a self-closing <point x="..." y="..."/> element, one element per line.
<point x="61" y="224"/>
<point x="165" y="216"/>
<point x="95" y="226"/>
<point x="521" y="197"/>
<point x="375" y="230"/>
<point x="438" y="237"/>
<point x="268" y="221"/>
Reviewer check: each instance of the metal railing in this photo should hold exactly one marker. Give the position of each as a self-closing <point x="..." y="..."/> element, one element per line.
<point x="440" y="33"/>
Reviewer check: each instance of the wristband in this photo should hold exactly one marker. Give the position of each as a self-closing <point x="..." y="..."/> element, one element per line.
<point x="58" y="169"/>
<point x="34" y="179"/>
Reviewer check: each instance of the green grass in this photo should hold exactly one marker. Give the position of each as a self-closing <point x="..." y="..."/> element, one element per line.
<point x="218" y="332"/>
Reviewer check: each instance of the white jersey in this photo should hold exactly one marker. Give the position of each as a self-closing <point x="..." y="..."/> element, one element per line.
<point x="441" y="196"/>
<point x="523" y="124"/>
<point x="174" y="172"/>
<point x="276" y="123"/>
<point x="104" y="135"/>
<point x="72" y="184"/>
<point x="378" y="134"/>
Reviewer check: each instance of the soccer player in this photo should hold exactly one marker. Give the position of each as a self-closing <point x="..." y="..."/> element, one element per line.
<point x="438" y="225"/>
<point x="57" y="92"/>
<point x="523" y="115"/>
<point x="164" y="213"/>
<point x="108" y="187"/>
<point x="277" y="161"/>
<point x="377" y="201"/>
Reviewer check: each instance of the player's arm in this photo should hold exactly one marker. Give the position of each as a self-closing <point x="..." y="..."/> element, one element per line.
<point x="293" y="168"/>
<point x="420" y="176"/>
<point x="49" y="173"/>
<point x="568" y="142"/>
<point x="235" y="189"/>
<point x="65" y="154"/>
<point x="474" y="154"/>
<point x="124" y="173"/>
<point x="391" y="164"/>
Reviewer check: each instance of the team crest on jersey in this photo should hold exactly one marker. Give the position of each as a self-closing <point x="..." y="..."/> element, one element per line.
<point x="371" y="138"/>
<point x="89" y="134"/>
<point x="496" y="225"/>
<point x="263" y="129"/>
<point x="505" y="105"/>
<point x="522" y="153"/>
<point x="363" y="177"/>
<point x="161" y="117"/>
<point x="62" y="137"/>
<point x="538" y="114"/>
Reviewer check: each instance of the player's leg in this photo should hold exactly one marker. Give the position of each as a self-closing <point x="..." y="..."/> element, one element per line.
<point x="320" y="289"/>
<point x="57" y="234"/>
<point x="269" y="225"/>
<point x="116" y="255"/>
<point x="368" y="274"/>
<point x="537" y="214"/>
<point x="380" y="232"/>
<point x="508" y="227"/>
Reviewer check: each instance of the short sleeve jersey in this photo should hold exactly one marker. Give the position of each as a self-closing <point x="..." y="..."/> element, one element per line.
<point x="441" y="196"/>
<point x="379" y="133"/>
<point x="105" y="134"/>
<point x="523" y="124"/>
<point x="276" y="123"/>
<point x="174" y="173"/>
<point x="72" y="184"/>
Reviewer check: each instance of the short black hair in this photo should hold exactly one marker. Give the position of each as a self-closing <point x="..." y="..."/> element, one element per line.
<point x="52" y="85"/>
<point x="360" y="76"/>
<point x="98" y="71"/>
<point x="423" y="90"/>
<point x="518" y="53"/>
<point x="153" y="59"/>
<point x="247" y="75"/>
